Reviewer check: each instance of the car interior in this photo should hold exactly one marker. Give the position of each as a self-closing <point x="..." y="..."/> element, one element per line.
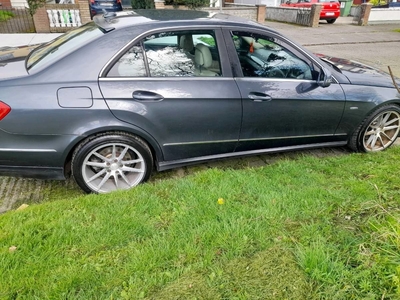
<point x="261" y="57"/>
<point x="171" y="54"/>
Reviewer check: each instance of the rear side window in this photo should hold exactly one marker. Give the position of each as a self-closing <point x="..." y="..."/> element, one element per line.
<point x="171" y="54"/>
<point x="131" y="64"/>
<point x="64" y="44"/>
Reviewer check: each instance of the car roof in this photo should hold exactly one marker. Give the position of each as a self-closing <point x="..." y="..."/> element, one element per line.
<point x="169" y="17"/>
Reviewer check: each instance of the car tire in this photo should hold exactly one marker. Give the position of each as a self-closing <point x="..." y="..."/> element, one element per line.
<point x="111" y="161"/>
<point x="378" y="131"/>
<point x="331" y="21"/>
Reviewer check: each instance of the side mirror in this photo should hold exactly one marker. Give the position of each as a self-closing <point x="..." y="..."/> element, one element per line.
<point x="324" y="78"/>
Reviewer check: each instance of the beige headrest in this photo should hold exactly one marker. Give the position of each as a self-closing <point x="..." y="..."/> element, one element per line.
<point x="186" y="42"/>
<point x="202" y="56"/>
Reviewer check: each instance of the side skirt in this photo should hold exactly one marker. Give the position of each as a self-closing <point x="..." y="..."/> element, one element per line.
<point x="166" y="165"/>
<point x="33" y="172"/>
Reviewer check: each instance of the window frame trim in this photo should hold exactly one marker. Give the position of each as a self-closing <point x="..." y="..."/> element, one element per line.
<point x="283" y="43"/>
<point x="295" y="49"/>
<point x="226" y="71"/>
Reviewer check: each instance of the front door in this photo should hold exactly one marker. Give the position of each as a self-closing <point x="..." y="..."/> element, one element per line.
<point x="282" y="103"/>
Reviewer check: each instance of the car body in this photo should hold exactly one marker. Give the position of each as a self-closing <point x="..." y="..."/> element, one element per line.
<point x="101" y="6"/>
<point x="330" y="8"/>
<point x="188" y="88"/>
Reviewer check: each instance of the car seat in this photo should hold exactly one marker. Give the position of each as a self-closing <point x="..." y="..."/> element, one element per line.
<point x="203" y="61"/>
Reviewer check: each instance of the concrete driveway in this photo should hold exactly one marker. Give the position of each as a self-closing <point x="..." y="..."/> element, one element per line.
<point x="376" y="45"/>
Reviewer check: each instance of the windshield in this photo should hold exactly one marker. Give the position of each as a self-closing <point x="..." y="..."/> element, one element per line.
<point x="62" y="45"/>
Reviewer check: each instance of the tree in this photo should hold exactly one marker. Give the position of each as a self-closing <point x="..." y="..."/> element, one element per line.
<point x="142" y="4"/>
<point x="193" y="4"/>
<point x="34" y="5"/>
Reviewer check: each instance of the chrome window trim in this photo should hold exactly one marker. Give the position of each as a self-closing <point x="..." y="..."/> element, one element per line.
<point x="163" y="78"/>
<point x="102" y="74"/>
<point x="204" y="78"/>
<point x="278" y="35"/>
<point x="273" y="79"/>
<point x="141" y="36"/>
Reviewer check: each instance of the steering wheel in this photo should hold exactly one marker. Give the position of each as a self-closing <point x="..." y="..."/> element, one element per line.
<point x="274" y="72"/>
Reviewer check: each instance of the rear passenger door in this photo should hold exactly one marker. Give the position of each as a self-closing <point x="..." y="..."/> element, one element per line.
<point x="177" y="85"/>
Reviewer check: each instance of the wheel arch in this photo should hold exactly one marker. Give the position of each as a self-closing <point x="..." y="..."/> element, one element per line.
<point x="147" y="138"/>
<point x="374" y="109"/>
<point x="353" y="137"/>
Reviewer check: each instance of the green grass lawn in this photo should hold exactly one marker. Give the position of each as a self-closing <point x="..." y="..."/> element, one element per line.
<point x="5" y="15"/>
<point x="309" y="228"/>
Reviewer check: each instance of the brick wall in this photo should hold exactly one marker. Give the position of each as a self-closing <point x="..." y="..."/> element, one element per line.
<point x="302" y="16"/>
<point x="5" y="3"/>
<point x="84" y="11"/>
<point x="41" y="18"/>
<point x="159" y="4"/>
<point x="41" y="21"/>
<point x="248" y="12"/>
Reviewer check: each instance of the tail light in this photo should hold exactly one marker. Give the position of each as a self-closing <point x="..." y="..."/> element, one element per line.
<point x="92" y="1"/>
<point x="118" y="1"/>
<point x="4" y="110"/>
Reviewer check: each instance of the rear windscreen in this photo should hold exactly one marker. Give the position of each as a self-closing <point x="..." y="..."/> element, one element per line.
<point x="63" y="45"/>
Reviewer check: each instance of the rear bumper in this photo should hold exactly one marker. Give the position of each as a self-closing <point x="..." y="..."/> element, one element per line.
<point x="329" y="15"/>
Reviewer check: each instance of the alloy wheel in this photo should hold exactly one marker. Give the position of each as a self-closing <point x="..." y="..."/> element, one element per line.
<point x="113" y="166"/>
<point x="382" y="131"/>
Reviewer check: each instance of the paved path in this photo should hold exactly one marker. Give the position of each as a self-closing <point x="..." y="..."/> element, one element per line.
<point x="376" y="45"/>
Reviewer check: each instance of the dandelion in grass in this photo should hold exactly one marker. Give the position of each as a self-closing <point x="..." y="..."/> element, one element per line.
<point x="221" y="201"/>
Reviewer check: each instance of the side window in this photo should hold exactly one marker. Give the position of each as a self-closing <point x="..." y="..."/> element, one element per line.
<point x="182" y="53"/>
<point x="131" y="64"/>
<point x="261" y="56"/>
<point x="171" y="54"/>
<point x="165" y="58"/>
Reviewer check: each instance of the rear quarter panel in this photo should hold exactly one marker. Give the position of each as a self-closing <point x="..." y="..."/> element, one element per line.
<point x="38" y="121"/>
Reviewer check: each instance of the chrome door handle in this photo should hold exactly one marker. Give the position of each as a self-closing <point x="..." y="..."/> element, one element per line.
<point x="146" y="96"/>
<point x="259" y="97"/>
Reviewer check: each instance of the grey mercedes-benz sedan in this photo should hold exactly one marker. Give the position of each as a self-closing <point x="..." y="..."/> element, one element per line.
<point x="131" y="91"/>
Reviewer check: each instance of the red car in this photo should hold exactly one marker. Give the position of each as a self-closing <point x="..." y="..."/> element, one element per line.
<point x="330" y="10"/>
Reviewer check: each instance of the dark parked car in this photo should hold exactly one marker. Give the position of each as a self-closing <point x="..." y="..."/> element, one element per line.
<point x="123" y="94"/>
<point x="101" y="6"/>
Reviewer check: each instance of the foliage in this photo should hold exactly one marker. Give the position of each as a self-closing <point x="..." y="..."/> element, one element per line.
<point x="142" y="4"/>
<point x="208" y="40"/>
<point x="192" y="4"/>
<point x="305" y="227"/>
<point x="34" y="5"/>
<point x="377" y="2"/>
<point x="5" y="15"/>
